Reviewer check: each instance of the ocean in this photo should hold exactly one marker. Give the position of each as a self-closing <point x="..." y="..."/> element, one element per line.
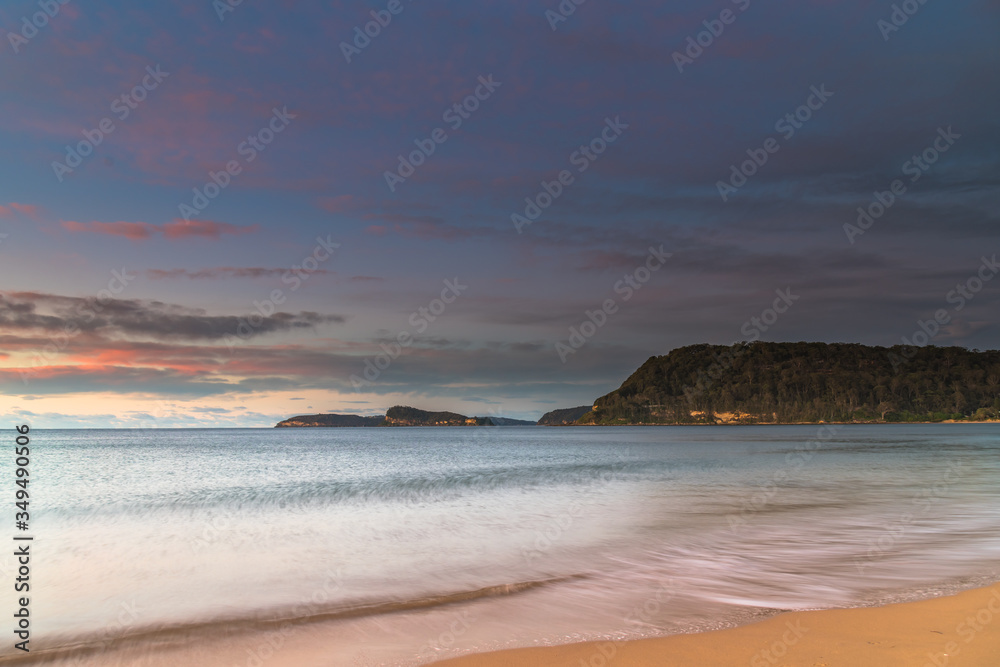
<point x="400" y="546"/>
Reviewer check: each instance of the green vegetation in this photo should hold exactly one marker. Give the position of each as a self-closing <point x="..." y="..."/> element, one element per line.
<point x="331" y="420"/>
<point x="806" y="382"/>
<point x="564" y="416"/>
<point x="400" y="416"/>
<point x="406" y="416"/>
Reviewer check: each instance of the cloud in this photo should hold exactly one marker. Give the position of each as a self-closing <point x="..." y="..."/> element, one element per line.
<point x="69" y="379"/>
<point x="130" y="230"/>
<point x="27" y="209"/>
<point x="33" y="311"/>
<point x="176" y="229"/>
<point x="219" y="272"/>
<point x="179" y="229"/>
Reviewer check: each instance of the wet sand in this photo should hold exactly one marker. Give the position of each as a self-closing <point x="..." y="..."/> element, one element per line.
<point x="958" y="630"/>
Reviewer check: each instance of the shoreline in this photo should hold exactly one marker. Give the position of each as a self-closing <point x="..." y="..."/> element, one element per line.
<point x="824" y="423"/>
<point x="962" y="630"/>
<point x="953" y="630"/>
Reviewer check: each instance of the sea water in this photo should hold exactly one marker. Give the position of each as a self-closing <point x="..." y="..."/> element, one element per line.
<point x="415" y="544"/>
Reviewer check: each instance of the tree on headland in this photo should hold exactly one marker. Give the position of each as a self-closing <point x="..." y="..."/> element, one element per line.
<point x="806" y="382"/>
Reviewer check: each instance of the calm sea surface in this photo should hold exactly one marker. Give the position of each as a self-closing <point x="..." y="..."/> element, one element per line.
<point x="422" y="543"/>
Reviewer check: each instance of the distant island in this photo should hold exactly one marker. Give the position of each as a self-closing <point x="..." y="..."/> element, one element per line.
<point x="331" y="420"/>
<point x="765" y="383"/>
<point x="401" y="416"/>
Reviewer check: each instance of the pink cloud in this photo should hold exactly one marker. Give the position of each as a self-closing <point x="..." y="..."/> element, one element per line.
<point x="27" y="209"/>
<point x="176" y="229"/>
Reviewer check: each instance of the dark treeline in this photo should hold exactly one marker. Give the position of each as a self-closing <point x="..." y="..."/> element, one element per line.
<point x="807" y="382"/>
<point x="564" y="416"/>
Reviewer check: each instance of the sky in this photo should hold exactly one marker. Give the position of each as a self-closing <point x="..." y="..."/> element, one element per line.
<point x="225" y="214"/>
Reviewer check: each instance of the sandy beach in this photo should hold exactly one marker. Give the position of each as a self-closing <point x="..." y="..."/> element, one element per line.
<point x="962" y="630"/>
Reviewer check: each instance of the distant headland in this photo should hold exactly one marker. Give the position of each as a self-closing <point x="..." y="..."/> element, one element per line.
<point x="401" y="415"/>
<point x="766" y="383"/>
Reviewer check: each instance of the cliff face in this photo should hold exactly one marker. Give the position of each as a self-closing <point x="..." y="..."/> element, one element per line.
<point x="806" y="382"/>
<point x="331" y="420"/>
<point x="564" y="416"/>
